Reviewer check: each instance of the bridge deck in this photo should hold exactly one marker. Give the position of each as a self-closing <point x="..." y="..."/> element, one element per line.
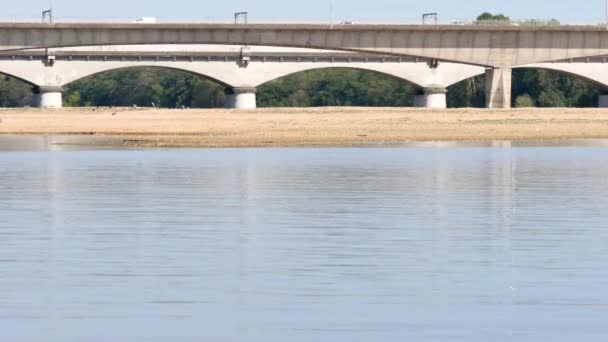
<point x="337" y="27"/>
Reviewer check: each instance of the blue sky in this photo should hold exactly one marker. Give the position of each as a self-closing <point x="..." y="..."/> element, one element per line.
<point x="584" y="11"/>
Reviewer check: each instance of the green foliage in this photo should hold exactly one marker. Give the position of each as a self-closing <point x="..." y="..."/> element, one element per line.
<point x="523" y="101"/>
<point x="335" y="87"/>
<point x="554" y="89"/>
<point x="72" y="99"/>
<point x="545" y="88"/>
<point x="468" y="93"/>
<point x="550" y="98"/>
<point x="145" y="87"/>
<point x="487" y="16"/>
<point x="14" y="93"/>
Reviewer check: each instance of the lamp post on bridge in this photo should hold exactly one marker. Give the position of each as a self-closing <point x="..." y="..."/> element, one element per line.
<point x="48" y="13"/>
<point x="331" y="14"/>
<point x="51" y="10"/>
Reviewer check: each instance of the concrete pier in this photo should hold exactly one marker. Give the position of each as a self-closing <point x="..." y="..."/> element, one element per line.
<point x="420" y="100"/>
<point x="240" y="98"/>
<point x="435" y="97"/>
<point x="498" y="88"/>
<point x="602" y="101"/>
<point x="47" y="97"/>
<point x="432" y="97"/>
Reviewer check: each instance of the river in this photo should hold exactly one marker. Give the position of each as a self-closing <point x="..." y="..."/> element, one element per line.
<point x="428" y="242"/>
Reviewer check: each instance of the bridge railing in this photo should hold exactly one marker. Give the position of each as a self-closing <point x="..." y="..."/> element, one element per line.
<point x="406" y="21"/>
<point x="531" y="22"/>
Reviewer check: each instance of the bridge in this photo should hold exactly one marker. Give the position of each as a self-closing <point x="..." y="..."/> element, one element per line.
<point x="243" y="56"/>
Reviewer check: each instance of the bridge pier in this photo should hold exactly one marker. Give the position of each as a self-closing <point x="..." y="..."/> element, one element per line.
<point x="432" y="97"/>
<point x="47" y="97"/>
<point x="602" y="101"/>
<point x="240" y="98"/>
<point x="498" y="88"/>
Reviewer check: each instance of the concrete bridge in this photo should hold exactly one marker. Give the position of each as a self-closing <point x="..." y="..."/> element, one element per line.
<point x="430" y="57"/>
<point x="239" y="69"/>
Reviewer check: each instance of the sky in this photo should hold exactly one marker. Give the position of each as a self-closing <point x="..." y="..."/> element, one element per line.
<point x="567" y="11"/>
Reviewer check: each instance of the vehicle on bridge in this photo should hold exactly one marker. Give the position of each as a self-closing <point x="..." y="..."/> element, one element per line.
<point x="147" y="20"/>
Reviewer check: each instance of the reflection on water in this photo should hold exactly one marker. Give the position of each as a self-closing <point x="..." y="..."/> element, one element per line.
<point x="361" y="244"/>
<point x="89" y="142"/>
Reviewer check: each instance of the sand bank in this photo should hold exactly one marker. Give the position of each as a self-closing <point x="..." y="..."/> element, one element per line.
<point x="305" y="126"/>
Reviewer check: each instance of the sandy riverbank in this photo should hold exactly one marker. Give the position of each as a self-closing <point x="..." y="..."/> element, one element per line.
<point x="305" y="126"/>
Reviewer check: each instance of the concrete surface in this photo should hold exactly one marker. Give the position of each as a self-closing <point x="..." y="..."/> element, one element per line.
<point x="489" y="46"/>
<point x="498" y="88"/>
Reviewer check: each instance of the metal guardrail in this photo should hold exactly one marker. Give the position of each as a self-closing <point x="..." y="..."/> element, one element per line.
<point x="526" y="23"/>
<point x="407" y="21"/>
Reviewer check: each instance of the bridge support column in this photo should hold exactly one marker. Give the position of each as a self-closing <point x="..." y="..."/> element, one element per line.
<point x="240" y="98"/>
<point x="498" y="88"/>
<point x="47" y="97"/>
<point x="433" y="97"/>
<point x="602" y="101"/>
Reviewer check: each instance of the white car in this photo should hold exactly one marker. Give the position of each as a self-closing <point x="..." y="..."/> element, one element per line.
<point x="146" y="20"/>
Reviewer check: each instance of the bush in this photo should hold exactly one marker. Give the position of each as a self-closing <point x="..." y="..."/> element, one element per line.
<point x="524" y="100"/>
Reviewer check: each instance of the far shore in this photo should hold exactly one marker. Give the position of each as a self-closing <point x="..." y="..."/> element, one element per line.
<point x="333" y="126"/>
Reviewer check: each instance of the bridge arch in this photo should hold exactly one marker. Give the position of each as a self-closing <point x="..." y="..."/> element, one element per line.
<point x="596" y="73"/>
<point x="267" y="78"/>
<point x="17" y="76"/>
<point x="429" y="81"/>
<point x="145" y="86"/>
<point x="429" y="84"/>
<point x="70" y="72"/>
<point x="48" y="80"/>
<point x="565" y="84"/>
<point x="337" y="86"/>
<point x="419" y="75"/>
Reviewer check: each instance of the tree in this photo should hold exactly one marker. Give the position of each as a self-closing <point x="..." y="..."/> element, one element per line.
<point x="487" y="16"/>
<point x="468" y="93"/>
<point x="336" y="87"/>
<point x="552" y="98"/>
<point x="14" y="93"/>
<point x="145" y="87"/>
<point x="523" y="101"/>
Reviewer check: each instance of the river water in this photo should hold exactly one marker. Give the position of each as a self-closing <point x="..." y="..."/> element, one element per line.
<point x="430" y="242"/>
